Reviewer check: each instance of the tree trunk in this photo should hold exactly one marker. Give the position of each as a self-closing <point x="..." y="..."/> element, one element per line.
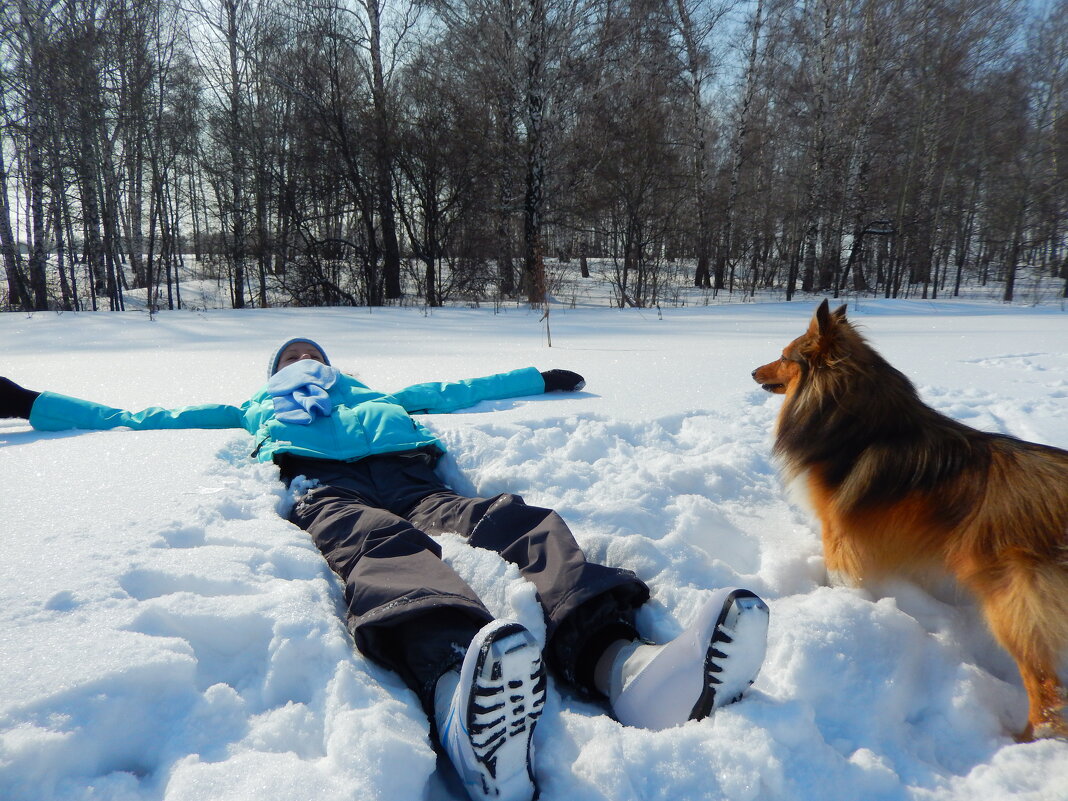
<point x="533" y="265"/>
<point x="238" y="246"/>
<point x="738" y="147"/>
<point x="816" y="201"/>
<point x="383" y="159"/>
<point x="17" y="292"/>
<point x="36" y="189"/>
<point x="699" y="166"/>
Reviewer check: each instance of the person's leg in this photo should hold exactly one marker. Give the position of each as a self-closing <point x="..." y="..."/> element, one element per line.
<point x="481" y="681"/>
<point x="587" y="606"/>
<point x="407" y="610"/>
<point x="593" y="641"/>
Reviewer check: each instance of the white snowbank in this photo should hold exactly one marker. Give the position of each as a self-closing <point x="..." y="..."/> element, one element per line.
<point x="165" y="634"/>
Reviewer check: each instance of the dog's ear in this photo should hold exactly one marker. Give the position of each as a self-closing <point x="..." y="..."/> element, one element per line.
<point x="822" y="319"/>
<point x="825" y="319"/>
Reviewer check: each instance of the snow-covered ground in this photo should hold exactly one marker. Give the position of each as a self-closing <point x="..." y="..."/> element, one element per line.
<point x="165" y="634"/>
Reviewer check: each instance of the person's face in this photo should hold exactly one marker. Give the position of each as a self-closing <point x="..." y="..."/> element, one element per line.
<point x="297" y="351"/>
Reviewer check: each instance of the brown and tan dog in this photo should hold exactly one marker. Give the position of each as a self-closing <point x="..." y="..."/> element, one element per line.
<point x="901" y="489"/>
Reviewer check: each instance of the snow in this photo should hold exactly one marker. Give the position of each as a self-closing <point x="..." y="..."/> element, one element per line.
<point x="166" y="634"/>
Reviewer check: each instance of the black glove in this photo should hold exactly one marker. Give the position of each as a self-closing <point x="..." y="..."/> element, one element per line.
<point x="15" y="401"/>
<point x="562" y="381"/>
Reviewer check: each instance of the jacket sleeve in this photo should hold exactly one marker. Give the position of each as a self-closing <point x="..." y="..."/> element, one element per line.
<point x="436" y="398"/>
<point x="54" y="412"/>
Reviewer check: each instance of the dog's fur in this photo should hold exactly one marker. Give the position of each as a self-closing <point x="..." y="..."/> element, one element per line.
<point x="902" y="489"/>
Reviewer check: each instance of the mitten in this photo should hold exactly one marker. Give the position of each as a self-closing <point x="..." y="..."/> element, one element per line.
<point x="15" y="401"/>
<point x="562" y="381"/>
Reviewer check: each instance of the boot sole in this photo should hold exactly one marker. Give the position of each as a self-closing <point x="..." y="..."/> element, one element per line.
<point x="742" y="629"/>
<point x="505" y="651"/>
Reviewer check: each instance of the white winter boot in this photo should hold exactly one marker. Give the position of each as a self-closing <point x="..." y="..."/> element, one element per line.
<point x="710" y="664"/>
<point x="486" y="713"/>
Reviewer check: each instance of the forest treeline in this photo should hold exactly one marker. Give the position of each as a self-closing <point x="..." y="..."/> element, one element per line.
<point x="322" y="152"/>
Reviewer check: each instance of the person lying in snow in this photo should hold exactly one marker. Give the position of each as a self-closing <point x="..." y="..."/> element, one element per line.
<point x="372" y="502"/>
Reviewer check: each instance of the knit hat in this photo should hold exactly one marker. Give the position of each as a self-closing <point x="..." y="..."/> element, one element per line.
<point x="272" y="365"/>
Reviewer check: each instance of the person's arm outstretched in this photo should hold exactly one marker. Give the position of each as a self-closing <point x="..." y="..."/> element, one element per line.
<point x="50" y="411"/>
<point x="439" y="397"/>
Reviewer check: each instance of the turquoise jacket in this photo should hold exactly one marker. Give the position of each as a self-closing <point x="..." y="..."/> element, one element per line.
<point x="364" y="421"/>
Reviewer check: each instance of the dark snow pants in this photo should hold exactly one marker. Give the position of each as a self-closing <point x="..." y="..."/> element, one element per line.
<point x="410" y="611"/>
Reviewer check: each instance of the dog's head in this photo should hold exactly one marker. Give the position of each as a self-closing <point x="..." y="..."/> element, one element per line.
<point x="816" y="347"/>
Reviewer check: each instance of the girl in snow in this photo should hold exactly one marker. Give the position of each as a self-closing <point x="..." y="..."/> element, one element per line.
<point x="372" y="501"/>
